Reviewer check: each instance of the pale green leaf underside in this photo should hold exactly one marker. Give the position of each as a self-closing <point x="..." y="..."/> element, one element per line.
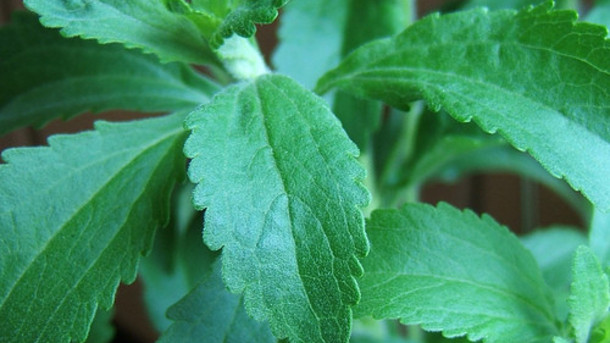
<point x="282" y="189"/>
<point x="143" y="24"/>
<point x="45" y="76"/>
<point x="74" y="219"/>
<point x="212" y="314"/>
<point x="454" y="272"/>
<point x="537" y="77"/>
<point x="590" y="294"/>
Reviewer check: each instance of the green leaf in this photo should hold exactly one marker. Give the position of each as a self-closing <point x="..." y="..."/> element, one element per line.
<point x="75" y="218"/>
<point x="211" y="313"/>
<point x="454" y="272"/>
<point x="600" y="13"/>
<point x="178" y="262"/>
<point x="148" y="25"/>
<point x="243" y="17"/>
<point x="282" y="189"/>
<point x="335" y="28"/>
<point x="45" y="76"/>
<point x="553" y="248"/>
<point x="590" y="294"/>
<point x="599" y="236"/>
<point x="537" y="77"/>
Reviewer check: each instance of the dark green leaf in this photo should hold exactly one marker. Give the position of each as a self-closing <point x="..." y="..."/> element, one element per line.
<point x="179" y="261"/>
<point x="454" y="272"/>
<point x="74" y="219"/>
<point x="148" y="25"/>
<point x="45" y="76"/>
<point x="537" y="77"/>
<point x="212" y="314"/>
<point x="590" y="294"/>
<point x="282" y="189"/>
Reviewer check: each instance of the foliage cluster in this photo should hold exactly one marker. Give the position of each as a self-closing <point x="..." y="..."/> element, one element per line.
<point x="307" y="177"/>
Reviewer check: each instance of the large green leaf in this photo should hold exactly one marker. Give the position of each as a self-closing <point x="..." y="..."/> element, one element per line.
<point x="454" y="272"/>
<point x="212" y="314"/>
<point x="282" y="189"/>
<point x="45" y="76"/>
<point x="514" y="4"/>
<point x="590" y="294"/>
<point x="148" y="25"/>
<point x="537" y="77"/>
<point x="75" y="218"/>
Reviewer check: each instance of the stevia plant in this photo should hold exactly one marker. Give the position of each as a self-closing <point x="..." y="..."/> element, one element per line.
<point x="364" y="106"/>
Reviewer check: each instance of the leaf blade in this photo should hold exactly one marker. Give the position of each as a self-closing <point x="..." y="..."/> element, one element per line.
<point x="589" y="295"/>
<point x="260" y="200"/>
<point x="45" y="76"/>
<point x="210" y="311"/>
<point x="475" y="85"/>
<point x="110" y="189"/>
<point x="147" y="25"/>
<point x="454" y="272"/>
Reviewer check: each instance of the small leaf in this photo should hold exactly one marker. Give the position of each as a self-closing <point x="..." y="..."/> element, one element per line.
<point x="553" y="248"/>
<point x="242" y="18"/>
<point x="590" y="294"/>
<point x="74" y="219"/>
<point x="537" y="77"/>
<point x="45" y="76"/>
<point x="210" y="313"/>
<point x="144" y="24"/>
<point x="283" y="192"/>
<point x="454" y="272"/>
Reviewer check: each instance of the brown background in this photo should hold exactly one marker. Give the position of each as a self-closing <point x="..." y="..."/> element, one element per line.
<point x="500" y="194"/>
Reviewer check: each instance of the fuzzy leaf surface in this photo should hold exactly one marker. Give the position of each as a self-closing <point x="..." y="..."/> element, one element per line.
<point x="144" y="24"/>
<point x="45" y="76"/>
<point x="590" y="294"/>
<point x="211" y="313"/>
<point x="454" y="272"/>
<point x="284" y="204"/>
<point x="242" y="18"/>
<point x="74" y="219"/>
<point x="537" y="77"/>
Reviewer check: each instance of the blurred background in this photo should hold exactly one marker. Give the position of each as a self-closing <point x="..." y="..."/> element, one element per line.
<point x="519" y="203"/>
